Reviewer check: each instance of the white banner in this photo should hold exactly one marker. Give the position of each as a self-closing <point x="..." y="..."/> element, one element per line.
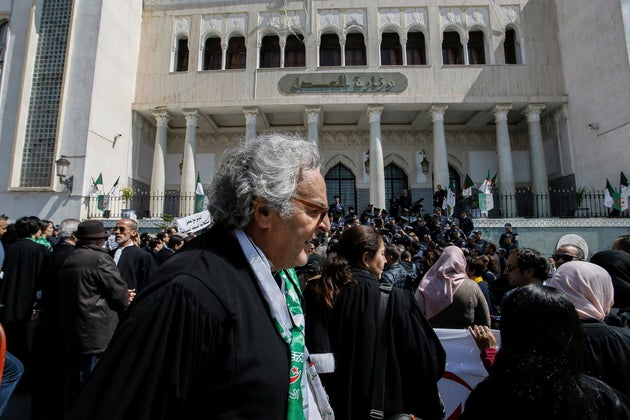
<point x="464" y="369"/>
<point x="194" y="222"/>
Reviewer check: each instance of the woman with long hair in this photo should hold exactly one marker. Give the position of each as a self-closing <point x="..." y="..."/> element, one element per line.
<point x="415" y="358"/>
<point x="537" y="370"/>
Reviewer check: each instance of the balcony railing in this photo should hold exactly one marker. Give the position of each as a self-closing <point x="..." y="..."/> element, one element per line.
<point x="523" y="203"/>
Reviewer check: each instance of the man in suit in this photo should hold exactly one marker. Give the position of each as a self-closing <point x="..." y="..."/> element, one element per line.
<point x="134" y="263"/>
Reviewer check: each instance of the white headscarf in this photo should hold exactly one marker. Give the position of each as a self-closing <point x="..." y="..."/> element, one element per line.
<point x="442" y="280"/>
<point x="587" y="285"/>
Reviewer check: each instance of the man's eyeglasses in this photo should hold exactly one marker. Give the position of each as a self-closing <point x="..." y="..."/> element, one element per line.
<point x="564" y="257"/>
<point x="120" y="229"/>
<point x="323" y="210"/>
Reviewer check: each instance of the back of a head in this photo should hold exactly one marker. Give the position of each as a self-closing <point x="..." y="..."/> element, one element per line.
<point x="617" y="264"/>
<point x="357" y="240"/>
<point x="531" y="258"/>
<point x="394" y="252"/>
<point x="27" y="226"/>
<point x="540" y="327"/>
<point x="267" y="167"/>
<point x="67" y="227"/>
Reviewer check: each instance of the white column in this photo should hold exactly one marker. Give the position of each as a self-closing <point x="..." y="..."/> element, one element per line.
<point x="440" y="159"/>
<point x="223" y="56"/>
<point x="251" y="114"/>
<point x="377" y="170"/>
<point x="312" y="118"/>
<point x="504" y="157"/>
<point x="158" y="174"/>
<point x="188" y="182"/>
<point x="537" y="163"/>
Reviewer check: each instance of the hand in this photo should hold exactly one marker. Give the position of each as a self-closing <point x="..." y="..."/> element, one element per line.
<point x="132" y="294"/>
<point x="483" y="336"/>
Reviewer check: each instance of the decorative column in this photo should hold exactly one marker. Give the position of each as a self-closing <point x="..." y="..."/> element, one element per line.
<point x="537" y="163"/>
<point x="504" y="155"/>
<point x="188" y="182"/>
<point x="224" y="47"/>
<point x="440" y="159"/>
<point x="377" y="169"/>
<point x="158" y="174"/>
<point x="251" y="114"/>
<point x="312" y="118"/>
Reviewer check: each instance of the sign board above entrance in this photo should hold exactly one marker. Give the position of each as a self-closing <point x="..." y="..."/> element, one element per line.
<point x="343" y="82"/>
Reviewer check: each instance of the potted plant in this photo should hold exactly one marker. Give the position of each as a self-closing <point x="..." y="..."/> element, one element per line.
<point x="127" y="194"/>
<point x="580" y="195"/>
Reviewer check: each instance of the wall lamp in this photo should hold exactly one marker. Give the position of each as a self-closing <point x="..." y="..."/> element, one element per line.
<point x="63" y="165"/>
<point x="424" y="163"/>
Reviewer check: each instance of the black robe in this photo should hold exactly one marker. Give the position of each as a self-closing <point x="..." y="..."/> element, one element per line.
<point x="415" y="357"/>
<point x="199" y="342"/>
<point x="136" y="266"/>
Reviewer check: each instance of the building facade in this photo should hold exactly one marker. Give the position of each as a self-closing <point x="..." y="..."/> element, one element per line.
<point x="397" y="95"/>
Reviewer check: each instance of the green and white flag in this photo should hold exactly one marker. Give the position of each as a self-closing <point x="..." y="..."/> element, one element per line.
<point x="624" y="191"/>
<point x="450" y="196"/>
<point x="468" y="184"/>
<point x="486" y="202"/>
<point x="486" y="186"/>
<point x="94" y="188"/>
<point x="199" y="195"/>
<point x="113" y="192"/>
<point x="611" y="197"/>
<point x="103" y="202"/>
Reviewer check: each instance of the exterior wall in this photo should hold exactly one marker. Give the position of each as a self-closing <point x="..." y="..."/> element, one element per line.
<point x="597" y="74"/>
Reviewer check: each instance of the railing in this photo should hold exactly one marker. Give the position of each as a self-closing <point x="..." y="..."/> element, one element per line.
<point x="523" y="203"/>
<point x="555" y="203"/>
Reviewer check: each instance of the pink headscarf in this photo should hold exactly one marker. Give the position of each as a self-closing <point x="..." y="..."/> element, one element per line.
<point x="587" y="285"/>
<point x="440" y="283"/>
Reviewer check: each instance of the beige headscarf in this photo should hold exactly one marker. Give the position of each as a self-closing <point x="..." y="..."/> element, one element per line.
<point x="440" y="283"/>
<point x="587" y="285"/>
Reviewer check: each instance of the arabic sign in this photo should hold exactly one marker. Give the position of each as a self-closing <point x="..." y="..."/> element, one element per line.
<point x="343" y="82"/>
<point x="194" y="222"/>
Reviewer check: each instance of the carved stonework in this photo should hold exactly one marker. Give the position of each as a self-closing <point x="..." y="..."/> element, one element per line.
<point x="212" y="24"/>
<point x="354" y="19"/>
<point x="374" y="113"/>
<point x="437" y="112"/>
<point x="327" y="19"/>
<point x="477" y="17"/>
<point x="296" y="21"/>
<point x="389" y="17"/>
<point x="533" y="112"/>
<point x="269" y="20"/>
<point x="416" y="17"/>
<point x="236" y="23"/>
<point x="182" y="26"/>
<point x="312" y="114"/>
<point x="500" y="112"/>
<point x="510" y="14"/>
<point x="451" y="17"/>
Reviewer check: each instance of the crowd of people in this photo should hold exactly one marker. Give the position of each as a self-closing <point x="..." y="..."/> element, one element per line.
<point x="275" y="311"/>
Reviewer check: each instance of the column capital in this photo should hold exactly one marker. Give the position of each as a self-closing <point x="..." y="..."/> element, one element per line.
<point x="192" y="115"/>
<point x="312" y="113"/>
<point x="251" y="113"/>
<point x="500" y="111"/>
<point x="374" y="113"/>
<point x="161" y="117"/>
<point x="437" y="112"/>
<point x="533" y="112"/>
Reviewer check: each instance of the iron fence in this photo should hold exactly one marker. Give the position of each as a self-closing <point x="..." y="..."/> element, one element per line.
<point x="523" y="203"/>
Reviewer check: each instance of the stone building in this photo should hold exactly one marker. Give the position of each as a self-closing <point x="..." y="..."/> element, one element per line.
<point x="397" y="94"/>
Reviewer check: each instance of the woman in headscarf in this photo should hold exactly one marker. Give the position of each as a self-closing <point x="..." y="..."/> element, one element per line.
<point x="449" y="298"/>
<point x="415" y="358"/>
<point x="537" y="372"/>
<point x="589" y="287"/>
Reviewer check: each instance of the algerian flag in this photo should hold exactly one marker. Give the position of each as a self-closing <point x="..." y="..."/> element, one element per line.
<point x="609" y="194"/>
<point x="450" y="195"/>
<point x="199" y="195"/>
<point x="486" y="186"/>
<point x="486" y="202"/>
<point x="624" y="191"/>
<point x="94" y="188"/>
<point x="103" y="202"/>
<point x="468" y="184"/>
<point x="114" y="189"/>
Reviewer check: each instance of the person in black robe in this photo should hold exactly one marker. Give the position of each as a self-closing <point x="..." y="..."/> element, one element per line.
<point x="617" y="263"/>
<point x="537" y="371"/>
<point x="415" y="357"/>
<point x="134" y="263"/>
<point x="202" y="339"/>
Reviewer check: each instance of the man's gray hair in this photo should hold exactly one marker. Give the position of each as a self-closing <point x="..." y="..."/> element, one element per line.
<point x="268" y="167"/>
<point x="67" y="227"/>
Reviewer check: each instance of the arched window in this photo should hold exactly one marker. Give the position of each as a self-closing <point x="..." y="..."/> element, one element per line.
<point x="354" y="50"/>
<point x="511" y="48"/>
<point x="270" y="52"/>
<point x="476" y="48"/>
<point x="329" y="51"/>
<point x="416" y="49"/>
<point x="391" y="50"/>
<point x="340" y="181"/>
<point x="236" y="53"/>
<point x="181" y="57"/>
<point x="452" y="49"/>
<point x="212" y="54"/>
<point x="295" y="52"/>
<point x="395" y="181"/>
